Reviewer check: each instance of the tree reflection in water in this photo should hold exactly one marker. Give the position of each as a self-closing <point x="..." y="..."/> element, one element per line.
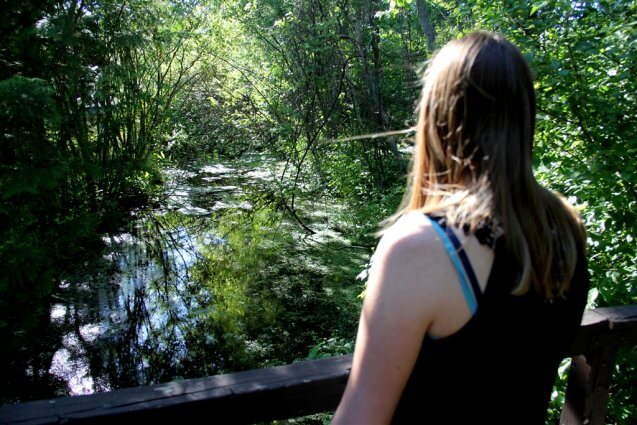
<point x="215" y="280"/>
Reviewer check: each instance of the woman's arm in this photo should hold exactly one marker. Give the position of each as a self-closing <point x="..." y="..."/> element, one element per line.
<point x="405" y="293"/>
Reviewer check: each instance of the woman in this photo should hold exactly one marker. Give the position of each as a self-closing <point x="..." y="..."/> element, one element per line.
<point x="477" y="290"/>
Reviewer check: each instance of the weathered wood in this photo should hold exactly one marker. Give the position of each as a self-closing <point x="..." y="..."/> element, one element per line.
<point x="620" y="321"/>
<point x="243" y="397"/>
<point x="576" y="388"/>
<point x="316" y="386"/>
<point x="603" y="332"/>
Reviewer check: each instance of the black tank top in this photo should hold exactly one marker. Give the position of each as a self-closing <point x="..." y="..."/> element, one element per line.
<point x="501" y="366"/>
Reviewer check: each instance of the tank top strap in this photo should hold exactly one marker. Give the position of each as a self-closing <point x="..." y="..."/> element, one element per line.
<point x="466" y="275"/>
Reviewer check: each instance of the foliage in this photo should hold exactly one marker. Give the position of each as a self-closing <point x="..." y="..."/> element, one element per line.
<point x="331" y="347"/>
<point x="89" y="91"/>
<point x="96" y="96"/>
<point x="271" y="303"/>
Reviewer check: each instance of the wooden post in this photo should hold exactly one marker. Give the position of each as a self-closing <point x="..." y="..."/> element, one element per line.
<point x="589" y="381"/>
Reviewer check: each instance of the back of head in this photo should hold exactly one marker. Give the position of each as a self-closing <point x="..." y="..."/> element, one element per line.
<point x="473" y="158"/>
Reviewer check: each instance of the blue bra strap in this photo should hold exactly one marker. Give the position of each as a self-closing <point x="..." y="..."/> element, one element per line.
<point x="473" y="280"/>
<point x="466" y="275"/>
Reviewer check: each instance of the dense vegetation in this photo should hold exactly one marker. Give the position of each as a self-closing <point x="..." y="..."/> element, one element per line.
<point x="96" y="96"/>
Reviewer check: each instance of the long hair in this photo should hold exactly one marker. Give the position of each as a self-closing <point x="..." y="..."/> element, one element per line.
<point x="473" y="159"/>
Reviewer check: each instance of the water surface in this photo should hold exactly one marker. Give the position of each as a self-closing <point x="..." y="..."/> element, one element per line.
<point x="218" y="278"/>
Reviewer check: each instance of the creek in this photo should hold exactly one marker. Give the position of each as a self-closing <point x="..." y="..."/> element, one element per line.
<point x="218" y="278"/>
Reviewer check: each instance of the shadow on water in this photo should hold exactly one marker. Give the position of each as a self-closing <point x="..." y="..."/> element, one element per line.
<point x="218" y="279"/>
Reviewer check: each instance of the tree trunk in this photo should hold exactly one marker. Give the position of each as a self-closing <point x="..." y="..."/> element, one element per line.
<point x="430" y="33"/>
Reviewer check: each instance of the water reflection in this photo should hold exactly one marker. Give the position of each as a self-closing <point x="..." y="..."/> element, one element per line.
<point x="201" y="286"/>
<point x="125" y="325"/>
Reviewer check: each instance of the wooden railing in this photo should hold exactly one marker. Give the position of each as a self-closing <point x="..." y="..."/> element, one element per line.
<point x="316" y="386"/>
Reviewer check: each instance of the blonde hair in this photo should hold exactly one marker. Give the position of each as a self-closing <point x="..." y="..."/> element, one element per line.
<point x="473" y="159"/>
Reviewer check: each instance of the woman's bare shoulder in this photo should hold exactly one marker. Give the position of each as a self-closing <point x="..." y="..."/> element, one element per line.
<point x="411" y="254"/>
<point x="411" y="234"/>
